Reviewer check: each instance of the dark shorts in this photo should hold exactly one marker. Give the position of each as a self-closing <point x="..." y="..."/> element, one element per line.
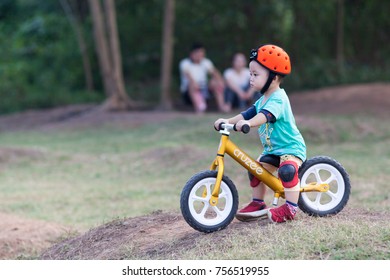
<point x="271" y="159"/>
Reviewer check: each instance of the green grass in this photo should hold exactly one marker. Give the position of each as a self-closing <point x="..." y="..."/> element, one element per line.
<point x="85" y="177"/>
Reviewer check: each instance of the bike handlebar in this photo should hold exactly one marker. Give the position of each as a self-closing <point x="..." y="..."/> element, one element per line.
<point x="244" y="129"/>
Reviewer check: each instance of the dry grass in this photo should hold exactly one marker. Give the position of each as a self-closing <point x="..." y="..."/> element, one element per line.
<point x="84" y="170"/>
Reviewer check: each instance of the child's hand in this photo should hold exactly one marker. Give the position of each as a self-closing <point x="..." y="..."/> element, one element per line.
<point x="219" y="121"/>
<point x="241" y="123"/>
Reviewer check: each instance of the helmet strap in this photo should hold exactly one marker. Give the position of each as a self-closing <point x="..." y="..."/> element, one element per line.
<point x="271" y="76"/>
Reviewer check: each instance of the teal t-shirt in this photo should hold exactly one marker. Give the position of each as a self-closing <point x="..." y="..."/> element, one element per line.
<point x="281" y="137"/>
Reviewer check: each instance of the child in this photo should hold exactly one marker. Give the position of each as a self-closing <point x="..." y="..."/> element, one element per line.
<point x="284" y="147"/>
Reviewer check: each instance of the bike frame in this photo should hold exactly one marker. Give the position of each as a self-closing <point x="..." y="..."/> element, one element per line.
<point x="226" y="146"/>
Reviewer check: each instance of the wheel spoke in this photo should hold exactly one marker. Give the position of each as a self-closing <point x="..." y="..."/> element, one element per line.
<point x="317" y="174"/>
<point x="317" y="201"/>
<point x="216" y="210"/>
<point x="208" y="187"/>
<point x="203" y="212"/>
<point x="330" y="179"/>
<point x="332" y="195"/>
<point x="199" y="198"/>
<point x="222" y="195"/>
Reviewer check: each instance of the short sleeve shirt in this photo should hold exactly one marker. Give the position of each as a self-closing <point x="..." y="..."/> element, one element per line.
<point x="281" y="137"/>
<point x="198" y="72"/>
<point x="241" y="79"/>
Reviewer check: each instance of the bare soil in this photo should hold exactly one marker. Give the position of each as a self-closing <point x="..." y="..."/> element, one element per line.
<point x="22" y="238"/>
<point x="150" y="235"/>
<point x="370" y="99"/>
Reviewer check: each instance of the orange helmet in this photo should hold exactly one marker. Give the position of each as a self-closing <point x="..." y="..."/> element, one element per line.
<point x="272" y="57"/>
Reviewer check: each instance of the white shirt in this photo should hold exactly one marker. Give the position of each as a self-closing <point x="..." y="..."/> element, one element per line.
<point x="198" y="72"/>
<point x="241" y="79"/>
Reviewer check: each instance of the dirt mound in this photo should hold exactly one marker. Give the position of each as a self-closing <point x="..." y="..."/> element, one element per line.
<point x="141" y="237"/>
<point x="351" y="99"/>
<point x="24" y="237"/>
<point x="159" y="235"/>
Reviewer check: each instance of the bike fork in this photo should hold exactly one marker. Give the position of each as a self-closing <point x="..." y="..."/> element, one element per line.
<point x="218" y="162"/>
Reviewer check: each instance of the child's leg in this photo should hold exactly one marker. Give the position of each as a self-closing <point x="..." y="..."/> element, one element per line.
<point x="258" y="192"/>
<point x="288" y="174"/>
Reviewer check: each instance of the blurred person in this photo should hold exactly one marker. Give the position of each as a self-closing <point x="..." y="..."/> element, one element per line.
<point x="284" y="148"/>
<point x="195" y="85"/>
<point x="238" y="92"/>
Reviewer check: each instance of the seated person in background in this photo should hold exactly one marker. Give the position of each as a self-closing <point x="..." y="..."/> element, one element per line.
<point x="238" y="92"/>
<point x="195" y="87"/>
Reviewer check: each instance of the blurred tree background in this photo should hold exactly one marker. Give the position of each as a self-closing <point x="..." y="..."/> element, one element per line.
<point x="43" y="61"/>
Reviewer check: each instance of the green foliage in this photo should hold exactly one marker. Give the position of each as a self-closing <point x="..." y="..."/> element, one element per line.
<point x="306" y="29"/>
<point x="40" y="54"/>
<point x="40" y="65"/>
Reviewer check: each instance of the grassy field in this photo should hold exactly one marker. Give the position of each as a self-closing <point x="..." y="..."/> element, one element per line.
<point x="84" y="177"/>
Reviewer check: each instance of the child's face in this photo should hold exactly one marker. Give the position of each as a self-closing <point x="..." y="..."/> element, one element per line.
<point x="259" y="75"/>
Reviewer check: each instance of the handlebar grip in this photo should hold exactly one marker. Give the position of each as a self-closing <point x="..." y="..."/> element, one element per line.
<point x="245" y="129"/>
<point x="220" y="126"/>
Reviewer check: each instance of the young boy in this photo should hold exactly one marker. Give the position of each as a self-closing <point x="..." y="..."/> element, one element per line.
<point x="284" y="147"/>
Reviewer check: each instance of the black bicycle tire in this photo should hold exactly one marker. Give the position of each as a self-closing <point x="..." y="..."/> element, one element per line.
<point x="185" y="208"/>
<point x="340" y="206"/>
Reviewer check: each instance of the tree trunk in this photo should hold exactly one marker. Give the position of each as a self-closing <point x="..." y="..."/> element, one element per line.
<point x="116" y="58"/>
<point x="340" y="37"/>
<point x="81" y="42"/>
<point x="109" y="56"/>
<point x="167" y="53"/>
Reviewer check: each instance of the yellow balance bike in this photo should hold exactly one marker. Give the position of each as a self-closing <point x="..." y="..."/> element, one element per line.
<point x="209" y="200"/>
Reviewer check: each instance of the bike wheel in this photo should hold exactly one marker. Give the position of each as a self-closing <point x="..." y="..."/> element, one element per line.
<point x="329" y="171"/>
<point x="195" y="206"/>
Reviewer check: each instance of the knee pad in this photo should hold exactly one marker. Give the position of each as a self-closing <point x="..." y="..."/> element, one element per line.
<point x="288" y="173"/>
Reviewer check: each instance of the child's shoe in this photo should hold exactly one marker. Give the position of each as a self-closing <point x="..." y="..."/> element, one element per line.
<point x="281" y="214"/>
<point x="252" y="211"/>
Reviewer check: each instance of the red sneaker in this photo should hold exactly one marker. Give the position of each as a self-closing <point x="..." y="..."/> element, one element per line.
<point x="280" y="214"/>
<point x="252" y="211"/>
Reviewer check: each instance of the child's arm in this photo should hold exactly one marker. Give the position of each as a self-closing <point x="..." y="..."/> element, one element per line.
<point x="249" y="117"/>
<point x="236" y="119"/>
<point x="256" y="121"/>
